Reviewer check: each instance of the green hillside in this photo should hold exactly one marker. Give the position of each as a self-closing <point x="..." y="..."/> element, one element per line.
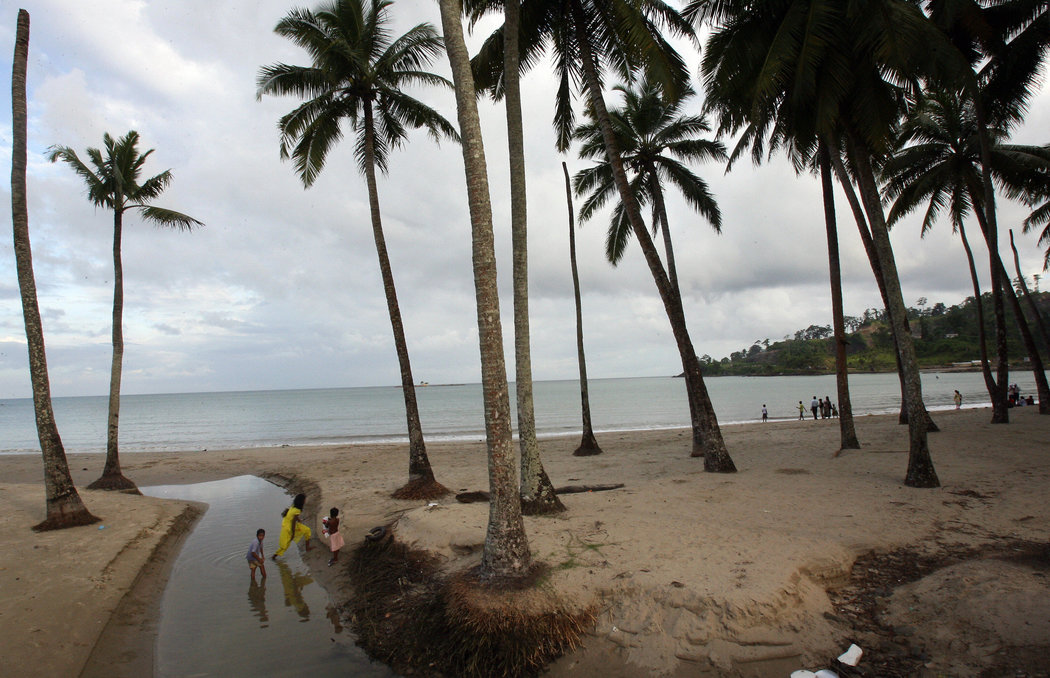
<point x="945" y="337"/>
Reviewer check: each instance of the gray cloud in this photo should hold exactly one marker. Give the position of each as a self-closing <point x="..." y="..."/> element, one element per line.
<point x="281" y="288"/>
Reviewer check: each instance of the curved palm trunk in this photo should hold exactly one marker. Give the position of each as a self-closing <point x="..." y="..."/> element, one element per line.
<point x="112" y="478"/>
<point x="537" y="491"/>
<point x="921" y="472"/>
<point x="588" y="444"/>
<point x="847" y="431"/>
<point x="661" y="211"/>
<point x="989" y="225"/>
<point x="421" y="483"/>
<point x="1040" y="323"/>
<point x="982" y="338"/>
<point x="707" y="436"/>
<point x="64" y="508"/>
<point x="506" y="553"/>
<point x="1041" y="385"/>
<point x="876" y="268"/>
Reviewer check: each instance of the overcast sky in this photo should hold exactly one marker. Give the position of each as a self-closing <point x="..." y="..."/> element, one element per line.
<point x="281" y="288"/>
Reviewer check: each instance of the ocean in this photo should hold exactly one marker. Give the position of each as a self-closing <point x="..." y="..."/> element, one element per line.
<point x="229" y="420"/>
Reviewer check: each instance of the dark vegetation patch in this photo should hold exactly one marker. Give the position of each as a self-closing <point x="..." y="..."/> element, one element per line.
<point x="889" y="652"/>
<point x="409" y="616"/>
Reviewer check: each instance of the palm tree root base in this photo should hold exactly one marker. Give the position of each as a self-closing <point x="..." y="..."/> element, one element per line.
<point x="408" y="615"/>
<point x="66" y="519"/>
<point x="543" y="505"/>
<point x="421" y="488"/>
<point x="588" y="448"/>
<point x="114" y="482"/>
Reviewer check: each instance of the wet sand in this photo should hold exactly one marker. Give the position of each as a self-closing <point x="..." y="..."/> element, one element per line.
<point x="695" y="573"/>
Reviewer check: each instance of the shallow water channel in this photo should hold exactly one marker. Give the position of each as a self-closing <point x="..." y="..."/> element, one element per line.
<point x="215" y="622"/>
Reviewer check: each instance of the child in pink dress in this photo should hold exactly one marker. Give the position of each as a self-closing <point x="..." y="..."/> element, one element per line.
<point x="335" y="537"/>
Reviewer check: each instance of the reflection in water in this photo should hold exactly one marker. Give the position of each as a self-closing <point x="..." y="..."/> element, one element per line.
<point x="257" y="602"/>
<point x="293" y="583"/>
<point x="205" y="628"/>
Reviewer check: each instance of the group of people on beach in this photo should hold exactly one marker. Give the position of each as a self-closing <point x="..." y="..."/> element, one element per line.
<point x="294" y="530"/>
<point x="821" y="409"/>
<point x="1015" y="399"/>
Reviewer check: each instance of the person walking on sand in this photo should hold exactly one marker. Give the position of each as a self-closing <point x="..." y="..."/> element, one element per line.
<point x="801" y="411"/>
<point x="765" y="413"/>
<point x="814" y="405"/>
<point x="256" y="559"/>
<point x="292" y="528"/>
<point x="335" y="537"/>
<point x="958" y="399"/>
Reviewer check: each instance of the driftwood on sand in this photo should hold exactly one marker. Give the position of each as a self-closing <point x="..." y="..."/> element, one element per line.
<point x="480" y="496"/>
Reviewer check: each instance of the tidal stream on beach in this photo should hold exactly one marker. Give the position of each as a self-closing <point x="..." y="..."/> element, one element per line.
<point x="215" y="622"/>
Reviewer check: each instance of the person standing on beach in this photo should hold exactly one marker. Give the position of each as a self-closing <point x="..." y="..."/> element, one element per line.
<point x="765" y="413"/>
<point x="335" y="537"/>
<point x="827" y="407"/>
<point x="814" y="405"/>
<point x="958" y="399"/>
<point x="801" y="411"/>
<point x="256" y="559"/>
<point x="292" y="528"/>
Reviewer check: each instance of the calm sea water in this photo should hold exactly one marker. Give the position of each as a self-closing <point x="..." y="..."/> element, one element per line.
<point x="196" y="421"/>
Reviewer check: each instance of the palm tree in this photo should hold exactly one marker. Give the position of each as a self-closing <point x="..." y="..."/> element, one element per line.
<point x="112" y="179"/>
<point x="804" y="72"/>
<point x="625" y="36"/>
<point x="588" y="443"/>
<point x="506" y="554"/>
<point x="656" y="140"/>
<point x="64" y="508"/>
<point x="940" y="162"/>
<point x="359" y="74"/>
<point x="847" y="431"/>
<point x="1002" y="45"/>
<point x="537" y="491"/>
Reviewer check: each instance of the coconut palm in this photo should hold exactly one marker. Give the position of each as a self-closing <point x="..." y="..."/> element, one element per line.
<point x="940" y="163"/>
<point x="588" y="443"/>
<point x="1003" y="45"/>
<point x="506" y="552"/>
<point x="656" y="141"/>
<point x="358" y="74"/>
<point x="64" y="508"/>
<point x="587" y="38"/>
<point x="537" y="491"/>
<point x="113" y="181"/>
<point x="807" y="71"/>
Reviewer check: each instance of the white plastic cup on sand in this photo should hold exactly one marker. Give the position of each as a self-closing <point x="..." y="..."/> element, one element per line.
<point x="824" y="673"/>
<point x="851" y="657"/>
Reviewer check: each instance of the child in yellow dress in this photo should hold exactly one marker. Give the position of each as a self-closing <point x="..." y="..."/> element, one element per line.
<point x="292" y="528"/>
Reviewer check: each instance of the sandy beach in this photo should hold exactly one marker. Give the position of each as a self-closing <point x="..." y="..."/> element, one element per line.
<point x="775" y="568"/>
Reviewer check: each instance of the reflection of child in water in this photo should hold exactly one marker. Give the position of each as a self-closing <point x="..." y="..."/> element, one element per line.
<point x="330" y="529"/>
<point x="293" y="583"/>
<point x="257" y="601"/>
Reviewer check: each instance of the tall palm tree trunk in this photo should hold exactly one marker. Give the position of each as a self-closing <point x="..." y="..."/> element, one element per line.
<point x="1040" y="323"/>
<point x="847" y="431"/>
<point x="921" y="472"/>
<point x="869" y="247"/>
<point x="661" y="212"/>
<point x="506" y="552"/>
<point x="989" y="225"/>
<point x="982" y="337"/>
<point x="64" y="508"/>
<point x="112" y="478"/>
<point x="537" y="491"/>
<point x="706" y="432"/>
<point x="421" y="483"/>
<point x="1041" y="385"/>
<point x="588" y="444"/>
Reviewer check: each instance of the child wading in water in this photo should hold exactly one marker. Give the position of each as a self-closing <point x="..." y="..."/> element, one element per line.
<point x="256" y="559"/>
<point x="335" y="537"/>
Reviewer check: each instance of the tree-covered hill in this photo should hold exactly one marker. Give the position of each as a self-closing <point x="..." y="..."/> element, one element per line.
<point x="945" y="337"/>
